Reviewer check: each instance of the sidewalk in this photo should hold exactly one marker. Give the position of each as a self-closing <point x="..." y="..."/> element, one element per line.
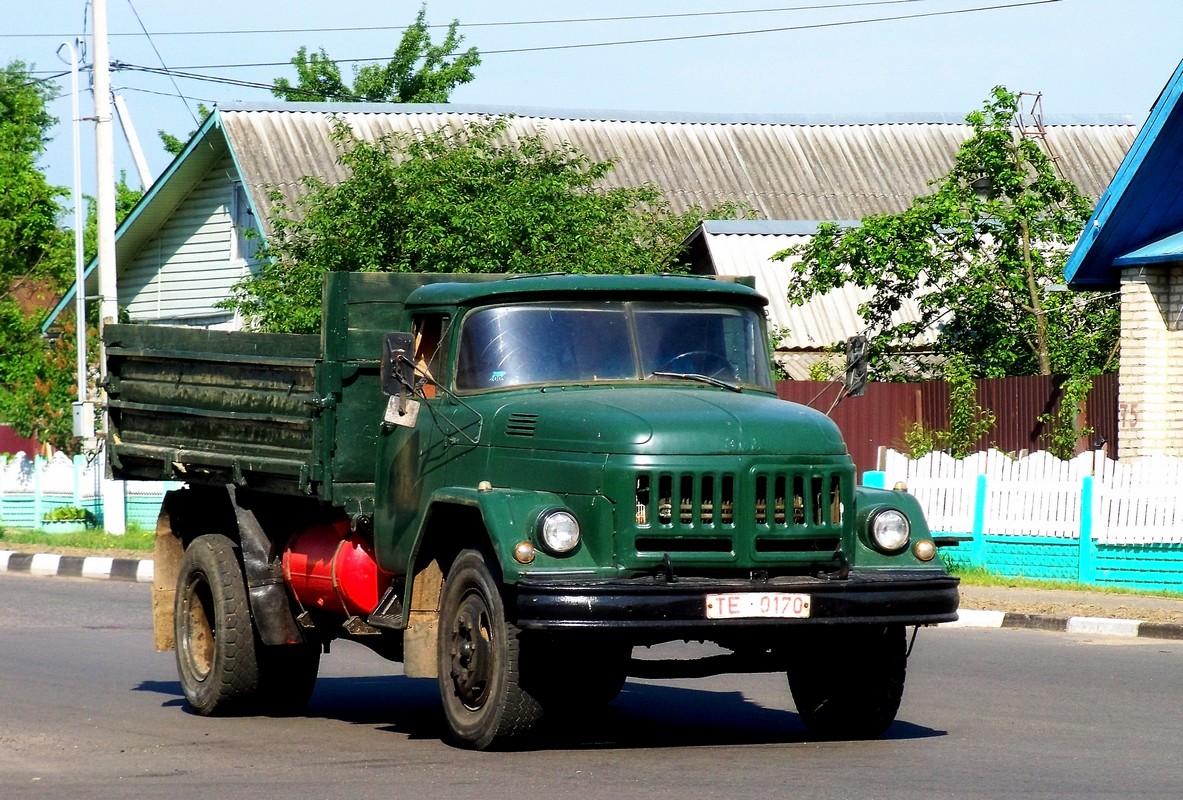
<point x="1097" y="613"/>
<point x="1100" y="613"/>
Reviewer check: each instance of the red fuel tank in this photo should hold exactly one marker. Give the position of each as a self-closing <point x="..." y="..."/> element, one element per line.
<point x="329" y="569"/>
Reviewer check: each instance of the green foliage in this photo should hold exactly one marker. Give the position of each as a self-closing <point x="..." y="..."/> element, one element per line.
<point x="93" y="539"/>
<point x="37" y="375"/>
<point x="462" y="200"/>
<point x="35" y="254"/>
<point x="31" y="245"/>
<point x="825" y="370"/>
<point x="38" y="382"/>
<point x="418" y="72"/>
<point x="981" y="257"/>
<point x="968" y="422"/>
<point x="1062" y="428"/>
<point x="69" y="514"/>
<point x="775" y="334"/>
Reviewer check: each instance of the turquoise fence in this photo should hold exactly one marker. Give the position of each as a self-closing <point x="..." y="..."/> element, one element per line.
<point x="1156" y="566"/>
<point x="31" y="488"/>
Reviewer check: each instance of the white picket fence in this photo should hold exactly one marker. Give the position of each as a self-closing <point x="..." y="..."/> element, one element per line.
<point x="30" y="487"/>
<point x="1129" y="502"/>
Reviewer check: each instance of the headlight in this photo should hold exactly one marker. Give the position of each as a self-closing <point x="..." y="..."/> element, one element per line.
<point x="889" y="530"/>
<point x="558" y="531"/>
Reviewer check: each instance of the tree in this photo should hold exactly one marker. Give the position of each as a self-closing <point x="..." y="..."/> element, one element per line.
<point x="30" y="242"/>
<point x="983" y="258"/>
<point x="34" y="252"/>
<point x="457" y="200"/>
<point x="418" y="72"/>
<point x="37" y="374"/>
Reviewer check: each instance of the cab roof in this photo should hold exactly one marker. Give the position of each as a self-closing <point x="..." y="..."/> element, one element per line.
<point x="576" y="287"/>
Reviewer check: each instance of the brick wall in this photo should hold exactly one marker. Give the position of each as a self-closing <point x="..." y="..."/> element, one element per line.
<point x="1150" y="394"/>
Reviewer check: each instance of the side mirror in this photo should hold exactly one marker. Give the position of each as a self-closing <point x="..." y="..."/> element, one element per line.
<point x="398" y="368"/>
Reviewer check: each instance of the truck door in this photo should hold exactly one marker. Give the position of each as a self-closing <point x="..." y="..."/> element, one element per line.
<point x="412" y="459"/>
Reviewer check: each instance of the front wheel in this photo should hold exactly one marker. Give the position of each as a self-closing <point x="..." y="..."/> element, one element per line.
<point x="215" y="639"/>
<point x="847" y="682"/>
<point x="479" y="652"/>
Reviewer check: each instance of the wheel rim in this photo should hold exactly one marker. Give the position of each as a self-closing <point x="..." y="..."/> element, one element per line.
<point x="470" y="651"/>
<point x="199" y="629"/>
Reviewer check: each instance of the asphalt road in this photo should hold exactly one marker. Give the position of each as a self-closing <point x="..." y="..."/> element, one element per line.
<point x="87" y="709"/>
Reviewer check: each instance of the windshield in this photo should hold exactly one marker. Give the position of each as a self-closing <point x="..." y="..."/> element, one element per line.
<point x="615" y="341"/>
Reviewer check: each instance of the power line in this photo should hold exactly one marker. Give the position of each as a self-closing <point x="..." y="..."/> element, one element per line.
<point x="663" y="39"/>
<point x="206" y="100"/>
<point x="160" y="58"/>
<point x="119" y="66"/>
<point x="510" y="23"/>
<point x="812" y="26"/>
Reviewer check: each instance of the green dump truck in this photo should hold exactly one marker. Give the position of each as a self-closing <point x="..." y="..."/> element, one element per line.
<point x="508" y="485"/>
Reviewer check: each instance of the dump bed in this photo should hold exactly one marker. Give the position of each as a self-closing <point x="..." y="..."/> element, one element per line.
<point x="288" y="413"/>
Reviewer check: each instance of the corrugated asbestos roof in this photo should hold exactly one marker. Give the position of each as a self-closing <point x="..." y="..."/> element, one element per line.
<point x="798" y="167"/>
<point x="794" y="168"/>
<point x="747" y="247"/>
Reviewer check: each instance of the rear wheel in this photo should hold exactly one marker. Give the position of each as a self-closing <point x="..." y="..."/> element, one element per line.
<point x="215" y="639"/>
<point x="479" y="652"/>
<point x="847" y="682"/>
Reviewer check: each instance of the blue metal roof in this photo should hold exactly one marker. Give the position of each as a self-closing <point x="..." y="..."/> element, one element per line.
<point x="1139" y="218"/>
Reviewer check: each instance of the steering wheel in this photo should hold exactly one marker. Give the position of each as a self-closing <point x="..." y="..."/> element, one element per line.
<point x="703" y="362"/>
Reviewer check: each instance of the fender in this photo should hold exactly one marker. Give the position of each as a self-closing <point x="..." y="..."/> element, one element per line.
<point x="508" y="517"/>
<point x="869" y="501"/>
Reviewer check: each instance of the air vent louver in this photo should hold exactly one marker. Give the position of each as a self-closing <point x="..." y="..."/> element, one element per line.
<point x="521" y="425"/>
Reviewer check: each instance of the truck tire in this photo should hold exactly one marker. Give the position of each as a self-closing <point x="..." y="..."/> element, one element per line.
<point x="215" y="639"/>
<point x="847" y="682"/>
<point x="485" y="705"/>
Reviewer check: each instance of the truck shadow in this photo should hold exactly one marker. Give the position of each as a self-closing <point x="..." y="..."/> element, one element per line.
<point x="646" y="715"/>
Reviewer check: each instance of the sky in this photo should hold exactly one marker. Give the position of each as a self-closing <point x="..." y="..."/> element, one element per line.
<point x="744" y="57"/>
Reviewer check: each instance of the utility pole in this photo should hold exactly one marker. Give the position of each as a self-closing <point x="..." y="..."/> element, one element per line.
<point x="83" y="410"/>
<point x="105" y="172"/>
<point x="114" y="494"/>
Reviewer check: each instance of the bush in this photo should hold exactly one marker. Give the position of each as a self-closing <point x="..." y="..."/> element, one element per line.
<point x="69" y="514"/>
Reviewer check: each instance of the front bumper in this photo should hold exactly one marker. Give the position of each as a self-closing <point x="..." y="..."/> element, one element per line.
<point x="653" y="604"/>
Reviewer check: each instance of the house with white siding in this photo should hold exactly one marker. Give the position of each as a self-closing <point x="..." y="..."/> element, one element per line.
<point x="195" y="232"/>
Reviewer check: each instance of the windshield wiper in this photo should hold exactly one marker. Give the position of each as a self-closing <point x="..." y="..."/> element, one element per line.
<point x="694" y="376"/>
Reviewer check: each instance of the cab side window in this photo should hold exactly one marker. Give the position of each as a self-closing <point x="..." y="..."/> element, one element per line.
<point x="430" y="332"/>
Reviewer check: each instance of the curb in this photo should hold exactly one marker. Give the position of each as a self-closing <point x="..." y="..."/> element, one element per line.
<point x="1097" y="626"/>
<point x="57" y="566"/>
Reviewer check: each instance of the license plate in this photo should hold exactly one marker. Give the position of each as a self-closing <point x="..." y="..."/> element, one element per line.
<point x="744" y="605"/>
